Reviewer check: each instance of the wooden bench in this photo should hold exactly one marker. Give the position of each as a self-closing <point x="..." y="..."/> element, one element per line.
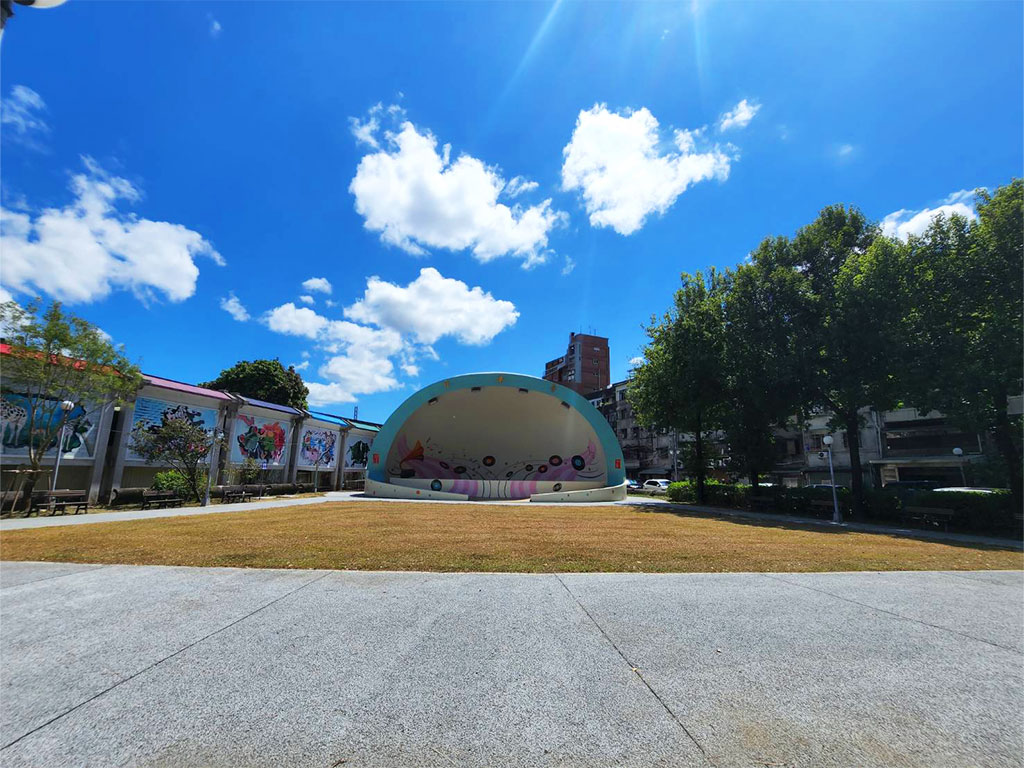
<point x="822" y="508"/>
<point x="937" y="515"/>
<point x="235" y="495"/>
<point x="160" y="499"/>
<point x="54" y="500"/>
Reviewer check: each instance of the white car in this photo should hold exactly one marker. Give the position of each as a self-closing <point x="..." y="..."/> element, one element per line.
<point x="964" y="490"/>
<point x="656" y="486"/>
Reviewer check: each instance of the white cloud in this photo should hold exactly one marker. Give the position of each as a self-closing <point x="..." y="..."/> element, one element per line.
<point x="903" y="223"/>
<point x="392" y="321"/>
<point x="317" y="285"/>
<point x="616" y="163"/>
<point x="21" y="117"/>
<point x="845" y="150"/>
<point x="433" y="306"/>
<point x="417" y="198"/>
<point x="234" y="307"/>
<point x="570" y="265"/>
<point x="307" y="300"/>
<point x="965" y="196"/>
<point x="301" y="366"/>
<point x="328" y="394"/>
<point x="739" y="116"/>
<point x="85" y="250"/>
<point x="295" y="321"/>
<point x="215" y="27"/>
<point x="519" y="185"/>
<point x="635" y="361"/>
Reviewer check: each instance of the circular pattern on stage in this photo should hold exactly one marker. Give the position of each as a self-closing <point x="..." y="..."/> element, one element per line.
<point x="555" y="461"/>
<point x="509" y="474"/>
<point x="558" y="486"/>
<point x="529" y="467"/>
<point x="435" y="485"/>
<point x="444" y="464"/>
<point x="542" y="468"/>
<point x="578" y="462"/>
<point x="460" y="470"/>
<point x="488" y="461"/>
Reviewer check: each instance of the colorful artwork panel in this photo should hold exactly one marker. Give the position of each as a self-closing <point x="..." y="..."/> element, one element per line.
<point x="317" y="447"/>
<point x="357" y="452"/>
<point x="260" y="439"/>
<point x="150" y="413"/>
<point x="16" y="428"/>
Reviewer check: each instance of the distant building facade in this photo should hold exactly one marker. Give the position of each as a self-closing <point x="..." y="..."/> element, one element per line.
<point x="895" y="446"/>
<point x="585" y="367"/>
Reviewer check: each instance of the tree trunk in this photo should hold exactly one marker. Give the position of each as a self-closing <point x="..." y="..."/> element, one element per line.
<point x="856" y="476"/>
<point x="1003" y="434"/>
<point x="752" y="473"/>
<point x="699" y="461"/>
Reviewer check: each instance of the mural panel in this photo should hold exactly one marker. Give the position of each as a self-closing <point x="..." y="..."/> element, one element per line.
<point x="260" y="439"/>
<point x="317" y="447"/>
<point x="150" y="413"/>
<point x="15" y="430"/>
<point x="357" y="452"/>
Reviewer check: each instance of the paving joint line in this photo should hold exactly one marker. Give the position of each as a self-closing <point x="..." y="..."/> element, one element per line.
<point x="896" y="615"/>
<point x="636" y="670"/>
<point x="193" y="644"/>
<point x="88" y="567"/>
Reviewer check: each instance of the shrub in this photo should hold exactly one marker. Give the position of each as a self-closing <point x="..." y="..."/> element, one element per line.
<point x="974" y="512"/>
<point x="716" y="494"/>
<point x="249" y="471"/>
<point x="177" y="482"/>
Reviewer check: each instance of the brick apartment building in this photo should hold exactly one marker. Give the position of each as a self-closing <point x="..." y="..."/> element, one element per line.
<point x="585" y="366"/>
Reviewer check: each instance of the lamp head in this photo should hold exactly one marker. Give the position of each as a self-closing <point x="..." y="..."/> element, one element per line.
<point x="958" y="451"/>
<point x="67" y="406"/>
<point x="827" y="439"/>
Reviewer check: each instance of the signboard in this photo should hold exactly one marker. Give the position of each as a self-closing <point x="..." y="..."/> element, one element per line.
<point x="318" y="448"/>
<point x="150" y="413"/>
<point x="260" y="439"/>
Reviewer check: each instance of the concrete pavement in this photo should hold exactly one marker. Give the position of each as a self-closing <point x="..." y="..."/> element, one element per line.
<point x="147" y="665"/>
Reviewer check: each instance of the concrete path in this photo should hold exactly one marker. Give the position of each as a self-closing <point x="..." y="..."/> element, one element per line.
<point x="110" y="517"/>
<point x="130" y="665"/>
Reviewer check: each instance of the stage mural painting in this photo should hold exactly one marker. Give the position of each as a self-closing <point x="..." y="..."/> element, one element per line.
<point x="497" y="435"/>
<point x="150" y="414"/>
<point x="317" y="448"/>
<point x="260" y="439"/>
<point x="16" y="431"/>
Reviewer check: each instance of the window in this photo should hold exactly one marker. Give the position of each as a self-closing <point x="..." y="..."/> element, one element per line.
<point x="624" y="433"/>
<point x="596" y="362"/>
<point x="572" y="349"/>
<point x="622" y="394"/>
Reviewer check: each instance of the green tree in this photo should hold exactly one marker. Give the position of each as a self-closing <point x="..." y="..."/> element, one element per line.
<point x="263" y="380"/>
<point x="681" y="383"/>
<point x="178" y="443"/>
<point x="762" y="381"/>
<point x="842" y="318"/>
<point x="55" y="357"/>
<point x="965" y="302"/>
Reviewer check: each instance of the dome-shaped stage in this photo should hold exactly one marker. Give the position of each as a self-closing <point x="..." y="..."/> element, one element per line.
<point x="497" y="436"/>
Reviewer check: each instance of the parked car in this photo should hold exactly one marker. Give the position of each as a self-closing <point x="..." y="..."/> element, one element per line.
<point x="632" y="485"/>
<point x="656" y="486"/>
<point x="825" y="486"/>
<point x="904" y="488"/>
<point x="963" y="489"/>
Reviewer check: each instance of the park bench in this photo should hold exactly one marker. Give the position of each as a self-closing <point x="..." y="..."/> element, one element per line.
<point x="54" y="500"/>
<point x="936" y="515"/>
<point x="160" y="499"/>
<point x="822" y="508"/>
<point x="235" y="494"/>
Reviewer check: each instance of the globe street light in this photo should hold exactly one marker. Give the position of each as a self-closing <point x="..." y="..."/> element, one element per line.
<point x="959" y="453"/>
<point x="6" y="11"/>
<point x="836" y="516"/>
<point x="66" y="407"/>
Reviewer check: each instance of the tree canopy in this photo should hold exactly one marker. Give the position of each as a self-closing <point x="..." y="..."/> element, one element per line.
<point x="263" y="380"/>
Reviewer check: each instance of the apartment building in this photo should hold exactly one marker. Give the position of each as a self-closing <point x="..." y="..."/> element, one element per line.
<point x="585" y="367"/>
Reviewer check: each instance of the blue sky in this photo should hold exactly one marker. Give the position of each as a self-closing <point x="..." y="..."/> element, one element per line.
<point x="176" y="172"/>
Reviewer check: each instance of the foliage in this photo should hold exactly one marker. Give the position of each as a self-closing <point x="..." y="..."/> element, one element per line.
<point x="179" y="443"/>
<point x="175" y="481"/>
<point x="964" y="343"/>
<point x="263" y="380"/>
<point x="680" y="384"/>
<point x="716" y="494"/>
<point x="249" y="471"/>
<point x="56" y="357"/>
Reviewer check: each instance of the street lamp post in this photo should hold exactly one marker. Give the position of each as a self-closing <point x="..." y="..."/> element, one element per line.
<point x="959" y="453"/>
<point x="66" y="407"/>
<point x="836" y="515"/>
<point x="218" y="435"/>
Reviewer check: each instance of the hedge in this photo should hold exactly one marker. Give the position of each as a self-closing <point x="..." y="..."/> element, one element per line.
<point x="973" y="512"/>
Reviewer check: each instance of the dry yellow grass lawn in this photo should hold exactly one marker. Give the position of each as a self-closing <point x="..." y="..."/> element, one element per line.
<point x="439" y="537"/>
